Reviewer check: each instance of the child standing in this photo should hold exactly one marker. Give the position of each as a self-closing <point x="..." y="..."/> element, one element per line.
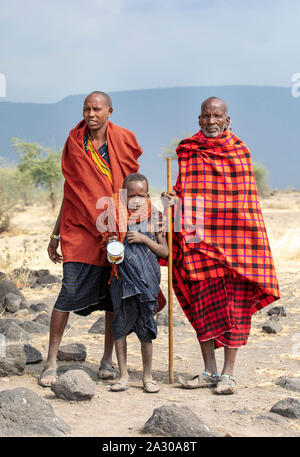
<point x="134" y="292"/>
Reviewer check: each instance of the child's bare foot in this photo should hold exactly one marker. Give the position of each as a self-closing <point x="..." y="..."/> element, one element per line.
<point x="150" y="386"/>
<point x="120" y="385"/>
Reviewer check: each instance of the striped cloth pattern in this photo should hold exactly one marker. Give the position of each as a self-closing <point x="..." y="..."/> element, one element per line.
<point x="218" y="171"/>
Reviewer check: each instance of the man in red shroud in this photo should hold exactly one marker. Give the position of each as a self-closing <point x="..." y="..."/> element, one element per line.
<point x="223" y="265"/>
<point x="96" y="158"/>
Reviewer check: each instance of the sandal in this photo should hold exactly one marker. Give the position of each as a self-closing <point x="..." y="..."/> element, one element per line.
<point x="106" y="372"/>
<point x="45" y="373"/>
<point x="119" y="386"/>
<point x="226" y="385"/>
<point x="150" y="387"/>
<point x="204" y="379"/>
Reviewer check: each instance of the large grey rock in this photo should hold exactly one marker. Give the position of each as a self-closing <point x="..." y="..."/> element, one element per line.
<point x="14" y="361"/>
<point x="272" y="325"/>
<point x="78" y="366"/>
<point x="24" y="413"/>
<point x="72" y="352"/>
<point x="34" y="327"/>
<point x="289" y="407"/>
<point x="7" y="287"/>
<point x="12" y="302"/>
<point x="32" y="354"/>
<point x="98" y="326"/>
<point x="289" y="383"/>
<point x="74" y="385"/>
<point x="173" y="420"/>
<point x="11" y="329"/>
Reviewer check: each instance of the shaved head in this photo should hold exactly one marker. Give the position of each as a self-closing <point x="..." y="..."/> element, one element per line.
<point x="105" y="96"/>
<point x="214" y="118"/>
<point x="215" y="100"/>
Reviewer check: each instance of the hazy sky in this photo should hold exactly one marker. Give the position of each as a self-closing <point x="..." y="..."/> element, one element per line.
<point x="51" y="49"/>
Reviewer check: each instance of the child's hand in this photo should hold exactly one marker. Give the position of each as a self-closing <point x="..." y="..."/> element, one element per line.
<point x="168" y="199"/>
<point x="135" y="237"/>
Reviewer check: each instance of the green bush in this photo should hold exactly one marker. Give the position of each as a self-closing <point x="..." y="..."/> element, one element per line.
<point x="260" y="174"/>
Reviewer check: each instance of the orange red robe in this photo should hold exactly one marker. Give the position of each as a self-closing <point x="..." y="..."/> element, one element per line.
<point x="85" y="184"/>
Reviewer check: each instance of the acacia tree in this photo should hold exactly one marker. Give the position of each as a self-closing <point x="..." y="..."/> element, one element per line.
<point x="42" y="164"/>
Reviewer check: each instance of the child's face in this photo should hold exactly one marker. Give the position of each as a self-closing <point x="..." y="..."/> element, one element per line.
<point x="137" y="194"/>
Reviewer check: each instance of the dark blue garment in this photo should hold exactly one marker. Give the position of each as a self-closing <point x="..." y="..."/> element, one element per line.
<point x="134" y="294"/>
<point x="84" y="289"/>
<point x="103" y="150"/>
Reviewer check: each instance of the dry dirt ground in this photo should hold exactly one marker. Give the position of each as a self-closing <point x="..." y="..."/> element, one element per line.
<point x="259" y="364"/>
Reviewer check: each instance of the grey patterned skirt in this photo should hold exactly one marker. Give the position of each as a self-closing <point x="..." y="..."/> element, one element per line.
<point x="84" y="289"/>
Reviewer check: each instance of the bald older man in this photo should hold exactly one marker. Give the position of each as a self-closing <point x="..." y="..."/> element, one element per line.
<point x="223" y="267"/>
<point x="97" y="156"/>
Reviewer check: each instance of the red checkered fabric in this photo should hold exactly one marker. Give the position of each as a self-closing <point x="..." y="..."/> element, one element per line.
<point x="221" y="231"/>
<point x="217" y="308"/>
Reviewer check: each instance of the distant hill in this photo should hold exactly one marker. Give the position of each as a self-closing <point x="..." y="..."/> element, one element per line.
<point x="265" y="118"/>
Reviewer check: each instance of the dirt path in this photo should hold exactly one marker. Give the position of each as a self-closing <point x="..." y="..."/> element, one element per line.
<point x="259" y="363"/>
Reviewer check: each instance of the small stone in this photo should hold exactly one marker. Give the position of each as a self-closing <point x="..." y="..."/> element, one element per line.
<point x="268" y="416"/>
<point x="32" y="354"/>
<point x="11" y="329"/>
<point x="12" y="302"/>
<point x="7" y="287"/>
<point x="272" y="325"/>
<point x="41" y="272"/>
<point x="289" y="407"/>
<point x="47" y="279"/>
<point x="98" y="326"/>
<point x="292" y="383"/>
<point x="43" y="319"/>
<point x="173" y="420"/>
<point x="72" y="352"/>
<point x="14" y="361"/>
<point x="38" y="307"/>
<point x="277" y="311"/>
<point x="34" y="327"/>
<point x="75" y="385"/>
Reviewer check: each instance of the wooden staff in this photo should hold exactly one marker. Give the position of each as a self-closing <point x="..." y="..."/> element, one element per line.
<point x="170" y="268"/>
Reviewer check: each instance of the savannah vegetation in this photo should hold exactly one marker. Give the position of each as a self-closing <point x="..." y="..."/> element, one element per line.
<point x="37" y="177"/>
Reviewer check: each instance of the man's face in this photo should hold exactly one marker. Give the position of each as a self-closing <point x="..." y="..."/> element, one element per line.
<point x="213" y="119"/>
<point x="96" y="112"/>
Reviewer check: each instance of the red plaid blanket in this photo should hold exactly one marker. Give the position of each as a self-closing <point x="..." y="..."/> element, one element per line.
<point x="222" y="224"/>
